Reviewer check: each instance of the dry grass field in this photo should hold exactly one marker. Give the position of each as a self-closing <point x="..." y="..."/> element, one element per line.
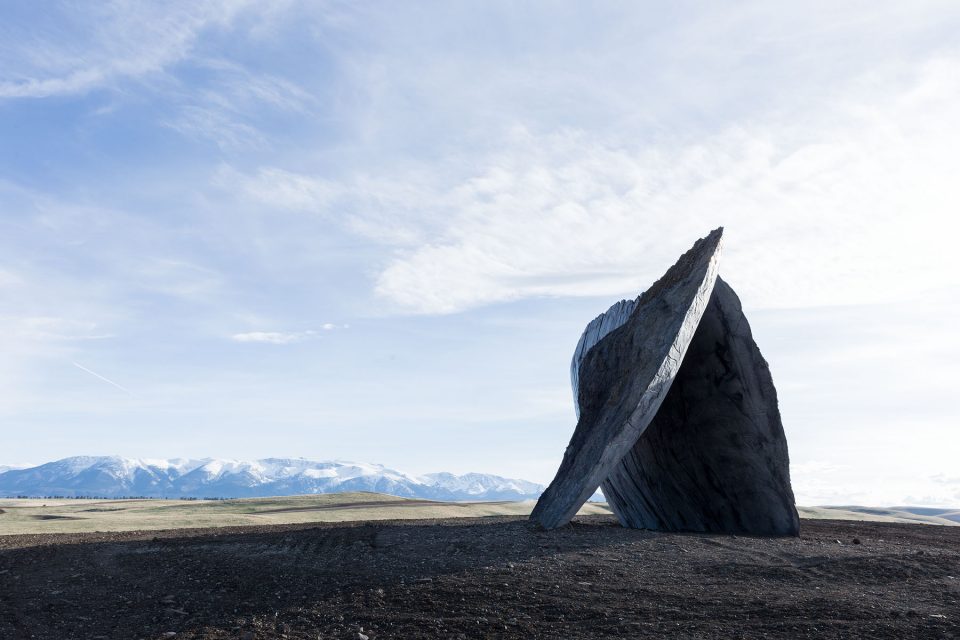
<point x="29" y="516"/>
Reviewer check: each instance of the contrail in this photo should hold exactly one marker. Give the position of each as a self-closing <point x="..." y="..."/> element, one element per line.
<point x="107" y="380"/>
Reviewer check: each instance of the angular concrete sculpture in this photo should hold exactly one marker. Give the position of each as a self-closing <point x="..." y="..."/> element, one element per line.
<point x="677" y="413"/>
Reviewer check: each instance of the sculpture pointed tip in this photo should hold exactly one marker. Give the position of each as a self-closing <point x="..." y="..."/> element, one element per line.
<point x="714" y="240"/>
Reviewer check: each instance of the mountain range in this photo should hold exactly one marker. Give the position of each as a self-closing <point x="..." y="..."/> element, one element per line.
<point x="115" y="476"/>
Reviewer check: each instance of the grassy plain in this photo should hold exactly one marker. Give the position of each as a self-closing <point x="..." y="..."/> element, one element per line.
<point x="79" y="516"/>
<point x="946" y="517"/>
<point x="21" y="516"/>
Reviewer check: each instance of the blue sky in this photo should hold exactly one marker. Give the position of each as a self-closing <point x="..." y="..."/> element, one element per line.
<point x="374" y="231"/>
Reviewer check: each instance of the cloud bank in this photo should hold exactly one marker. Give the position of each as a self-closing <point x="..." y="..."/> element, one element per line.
<point x="189" y="189"/>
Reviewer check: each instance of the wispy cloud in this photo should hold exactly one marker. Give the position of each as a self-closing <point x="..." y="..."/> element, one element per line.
<point x="853" y="483"/>
<point x="273" y="337"/>
<point x="9" y="278"/>
<point x="116" y="40"/>
<point x="124" y="43"/>
<point x="236" y="88"/>
<point x="816" y="209"/>
<point x="280" y="189"/>
<point x="216" y="125"/>
<point x="811" y="205"/>
<point x="52" y="328"/>
<point x="285" y="337"/>
<point x="227" y="109"/>
<point x="177" y="277"/>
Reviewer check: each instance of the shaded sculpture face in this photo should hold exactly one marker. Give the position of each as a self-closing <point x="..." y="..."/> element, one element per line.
<point x="678" y="418"/>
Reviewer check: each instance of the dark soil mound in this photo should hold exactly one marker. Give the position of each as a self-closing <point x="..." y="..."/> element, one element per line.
<point x="483" y="578"/>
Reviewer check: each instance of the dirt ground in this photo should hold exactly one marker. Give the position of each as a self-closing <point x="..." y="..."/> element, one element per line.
<point x="494" y="577"/>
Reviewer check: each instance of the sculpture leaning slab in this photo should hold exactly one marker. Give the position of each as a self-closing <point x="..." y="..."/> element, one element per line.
<point x="677" y="413"/>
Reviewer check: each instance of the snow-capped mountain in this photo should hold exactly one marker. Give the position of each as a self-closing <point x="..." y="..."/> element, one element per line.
<point x="8" y="467"/>
<point x="482" y="484"/>
<point x="114" y="476"/>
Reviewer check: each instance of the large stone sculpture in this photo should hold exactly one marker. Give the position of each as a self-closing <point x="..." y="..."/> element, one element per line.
<point x="677" y="413"/>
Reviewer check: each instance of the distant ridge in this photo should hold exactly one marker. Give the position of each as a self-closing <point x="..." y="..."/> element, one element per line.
<point x="115" y="476"/>
<point x="9" y="467"/>
<point x="916" y="515"/>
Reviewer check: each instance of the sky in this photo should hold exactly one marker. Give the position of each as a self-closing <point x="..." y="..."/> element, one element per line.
<point x="374" y="231"/>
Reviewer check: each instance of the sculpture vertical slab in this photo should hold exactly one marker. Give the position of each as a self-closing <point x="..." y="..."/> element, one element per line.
<point x="714" y="458"/>
<point x="626" y="376"/>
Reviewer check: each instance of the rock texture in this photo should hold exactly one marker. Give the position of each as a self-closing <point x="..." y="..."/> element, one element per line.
<point x="714" y="458"/>
<point x="698" y="445"/>
<point x="599" y="327"/>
